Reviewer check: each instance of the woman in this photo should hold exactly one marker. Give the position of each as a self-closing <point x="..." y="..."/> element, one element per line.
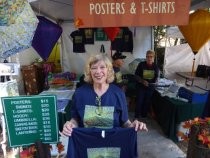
<point x="147" y="74"/>
<point x="99" y="103"/>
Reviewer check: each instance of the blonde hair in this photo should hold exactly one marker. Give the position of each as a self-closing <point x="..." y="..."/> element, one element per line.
<point x="94" y="59"/>
<point x="151" y="52"/>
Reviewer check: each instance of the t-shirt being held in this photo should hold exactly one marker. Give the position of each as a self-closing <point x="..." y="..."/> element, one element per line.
<point x="95" y="143"/>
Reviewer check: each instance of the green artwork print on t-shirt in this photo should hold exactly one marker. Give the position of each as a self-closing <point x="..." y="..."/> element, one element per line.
<point x="106" y="152"/>
<point x="101" y="117"/>
<point x="148" y="74"/>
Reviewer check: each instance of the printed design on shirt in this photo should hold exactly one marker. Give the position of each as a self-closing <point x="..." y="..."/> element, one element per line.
<point x="148" y="74"/>
<point x="126" y="38"/>
<point x="100" y="35"/>
<point x="78" y="39"/>
<point x="99" y="117"/>
<point x="88" y="33"/>
<point x="106" y="152"/>
<point x="118" y="76"/>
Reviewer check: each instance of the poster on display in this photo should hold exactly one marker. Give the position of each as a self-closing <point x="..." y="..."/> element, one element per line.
<point x="8" y="88"/>
<point x="31" y="117"/>
<point x="115" y="13"/>
<point x="9" y="69"/>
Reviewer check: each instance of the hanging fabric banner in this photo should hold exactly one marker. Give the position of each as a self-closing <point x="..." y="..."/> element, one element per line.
<point x="16" y="37"/>
<point x="45" y="37"/>
<point x="115" y="13"/>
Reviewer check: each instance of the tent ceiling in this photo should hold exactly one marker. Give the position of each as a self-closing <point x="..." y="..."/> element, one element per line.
<point x="54" y="9"/>
<point x="63" y="9"/>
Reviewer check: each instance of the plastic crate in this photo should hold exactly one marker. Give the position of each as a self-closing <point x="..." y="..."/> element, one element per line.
<point x="194" y="94"/>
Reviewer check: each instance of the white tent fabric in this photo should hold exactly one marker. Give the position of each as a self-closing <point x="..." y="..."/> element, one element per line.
<point x="180" y="59"/>
<point x="173" y="32"/>
<point x="74" y="62"/>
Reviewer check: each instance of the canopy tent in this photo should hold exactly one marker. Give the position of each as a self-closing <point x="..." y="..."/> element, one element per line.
<point x="173" y="32"/>
<point x="179" y="59"/>
<point x="62" y="10"/>
<point x="75" y="61"/>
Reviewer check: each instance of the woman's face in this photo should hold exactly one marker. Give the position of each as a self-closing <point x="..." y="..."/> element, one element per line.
<point x="99" y="72"/>
<point x="149" y="58"/>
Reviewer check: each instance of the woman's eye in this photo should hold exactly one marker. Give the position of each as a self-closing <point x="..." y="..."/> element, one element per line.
<point x="93" y="68"/>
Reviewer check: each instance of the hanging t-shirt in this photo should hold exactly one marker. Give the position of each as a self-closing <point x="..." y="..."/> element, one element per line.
<point x="100" y="35"/>
<point x="106" y="143"/>
<point x="128" y="41"/>
<point x="123" y="42"/>
<point x="78" y="41"/>
<point x="118" y="42"/>
<point x="88" y="34"/>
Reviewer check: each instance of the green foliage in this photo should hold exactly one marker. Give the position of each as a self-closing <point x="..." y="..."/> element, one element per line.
<point x="159" y="34"/>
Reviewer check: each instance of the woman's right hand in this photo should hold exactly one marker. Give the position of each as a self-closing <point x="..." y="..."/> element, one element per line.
<point x="68" y="127"/>
<point x="145" y="83"/>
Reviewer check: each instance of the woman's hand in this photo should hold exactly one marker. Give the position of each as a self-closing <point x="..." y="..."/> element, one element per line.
<point x="145" y="83"/>
<point x="68" y="127"/>
<point x="136" y="124"/>
<point x="139" y="125"/>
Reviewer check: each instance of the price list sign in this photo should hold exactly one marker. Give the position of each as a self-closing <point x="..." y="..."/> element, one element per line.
<point x="30" y="118"/>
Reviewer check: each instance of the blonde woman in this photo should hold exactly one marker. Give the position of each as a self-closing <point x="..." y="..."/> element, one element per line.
<point x="99" y="103"/>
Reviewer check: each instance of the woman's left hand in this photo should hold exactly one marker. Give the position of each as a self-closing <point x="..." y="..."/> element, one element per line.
<point x="139" y="125"/>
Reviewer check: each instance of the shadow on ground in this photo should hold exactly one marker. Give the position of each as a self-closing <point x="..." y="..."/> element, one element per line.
<point x="154" y="144"/>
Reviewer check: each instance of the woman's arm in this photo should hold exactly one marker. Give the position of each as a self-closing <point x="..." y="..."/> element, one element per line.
<point x="68" y="127"/>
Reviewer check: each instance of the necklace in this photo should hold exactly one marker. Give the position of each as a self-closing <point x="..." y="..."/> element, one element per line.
<point x="100" y="89"/>
<point x="99" y="109"/>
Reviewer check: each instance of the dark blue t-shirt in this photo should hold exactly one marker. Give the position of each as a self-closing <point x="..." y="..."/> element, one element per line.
<point x="146" y="72"/>
<point x="113" y="111"/>
<point x="78" y="41"/>
<point x="90" y="143"/>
